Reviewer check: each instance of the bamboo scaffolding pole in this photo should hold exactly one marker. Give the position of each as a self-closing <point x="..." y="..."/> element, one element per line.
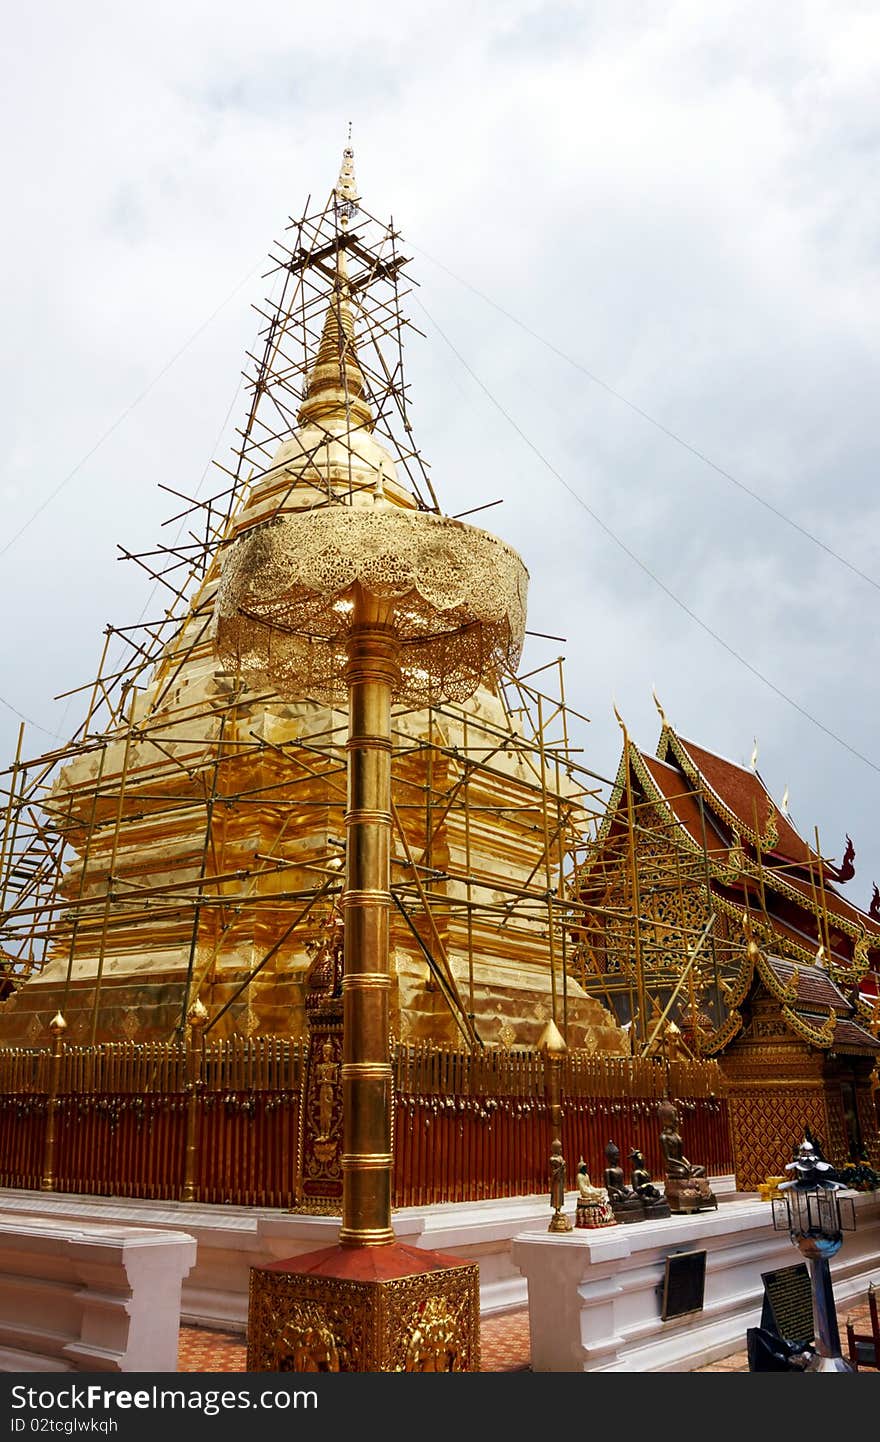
<point x="210" y="797"/>
<point x="438" y="940"/>
<point x="8" y="844"/>
<point x="681" y="980"/>
<point x="548" y="878"/>
<point x="466" y="777"/>
<point x="641" y="1030"/>
<point x="560" y="827"/>
<point x="110" y="869"/>
<point x="824" y="913"/>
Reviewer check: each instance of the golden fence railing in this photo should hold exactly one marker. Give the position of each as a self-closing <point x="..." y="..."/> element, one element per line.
<point x="125" y="1111"/>
<point x="471" y="1126"/>
<point x="220" y="1122"/>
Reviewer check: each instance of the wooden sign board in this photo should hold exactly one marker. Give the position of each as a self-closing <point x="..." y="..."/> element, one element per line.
<point x="788" y="1303"/>
<point x="684" y="1284"/>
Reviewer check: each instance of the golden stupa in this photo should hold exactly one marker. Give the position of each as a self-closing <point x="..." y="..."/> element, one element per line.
<point x="202" y="828"/>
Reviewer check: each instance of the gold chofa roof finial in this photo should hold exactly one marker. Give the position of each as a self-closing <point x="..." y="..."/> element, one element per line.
<point x="658" y="703"/>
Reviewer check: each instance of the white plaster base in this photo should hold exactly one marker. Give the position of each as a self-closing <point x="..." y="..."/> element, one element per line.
<point x="231" y="1240"/>
<point x="595" y="1297"/>
<point x="89" y="1297"/>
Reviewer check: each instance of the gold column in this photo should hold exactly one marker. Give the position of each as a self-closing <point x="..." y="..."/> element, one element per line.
<point x="365" y="1304"/>
<point x="372" y="672"/>
<point x="57" y="1026"/>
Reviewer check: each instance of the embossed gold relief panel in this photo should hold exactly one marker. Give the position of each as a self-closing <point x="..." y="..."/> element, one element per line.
<point x="426" y="1322"/>
<point x="320" y="1168"/>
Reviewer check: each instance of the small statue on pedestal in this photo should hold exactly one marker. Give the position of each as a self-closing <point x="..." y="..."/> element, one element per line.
<point x="593" y="1206"/>
<point x="650" y="1197"/>
<point x="626" y="1206"/>
<point x="559" y="1221"/>
<point x="687" y="1187"/>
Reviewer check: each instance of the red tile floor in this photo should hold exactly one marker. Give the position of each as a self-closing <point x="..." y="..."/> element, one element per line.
<point x="504" y="1345"/>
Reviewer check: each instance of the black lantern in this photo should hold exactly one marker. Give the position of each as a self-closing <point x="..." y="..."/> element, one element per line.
<point x="816" y="1217"/>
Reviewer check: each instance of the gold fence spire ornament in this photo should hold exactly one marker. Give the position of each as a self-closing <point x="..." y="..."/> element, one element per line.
<point x="552" y="1044"/>
<point x="197" y="1019"/>
<point x="57" y="1028"/>
<point x="197" y="1014"/>
<point x="551" y="1041"/>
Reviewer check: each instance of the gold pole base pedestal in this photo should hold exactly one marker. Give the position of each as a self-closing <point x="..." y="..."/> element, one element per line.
<point x="559" y="1223"/>
<point x="365" y="1309"/>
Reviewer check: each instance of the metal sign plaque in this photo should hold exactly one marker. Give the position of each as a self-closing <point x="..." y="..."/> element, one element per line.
<point x="788" y="1303"/>
<point x="683" y="1284"/>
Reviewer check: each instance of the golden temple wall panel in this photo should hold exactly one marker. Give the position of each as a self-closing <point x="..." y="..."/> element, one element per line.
<point x="768" y="1123"/>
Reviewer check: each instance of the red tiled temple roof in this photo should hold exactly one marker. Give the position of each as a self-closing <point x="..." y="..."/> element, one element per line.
<point x="815" y="987"/>
<point x="678" y="792"/>
<point x="743" y="793"/>
<point x="665" y="782"/>
<point x="848" y="1035"/>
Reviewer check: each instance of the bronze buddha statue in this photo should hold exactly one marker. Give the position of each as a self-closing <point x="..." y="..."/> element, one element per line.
<point x="651" y="1197"/>
<point x="687" y="1188"/>
<point x="626" y="1206"/>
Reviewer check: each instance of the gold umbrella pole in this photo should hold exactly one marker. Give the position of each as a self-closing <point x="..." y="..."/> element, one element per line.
<point x="372" y="673"/>
<point x="417" y="606"/>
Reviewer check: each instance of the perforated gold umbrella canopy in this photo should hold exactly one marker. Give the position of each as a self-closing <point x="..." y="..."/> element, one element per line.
<point x="286" y="599"/>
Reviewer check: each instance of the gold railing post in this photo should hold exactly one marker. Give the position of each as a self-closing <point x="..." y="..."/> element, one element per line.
<point x="57" y="1026"/>
<point x="552" y="1044"/>
<point x="197" y="1016"/>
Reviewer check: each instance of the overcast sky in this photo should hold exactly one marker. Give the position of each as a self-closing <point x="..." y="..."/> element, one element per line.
<point x="683" y="198"/>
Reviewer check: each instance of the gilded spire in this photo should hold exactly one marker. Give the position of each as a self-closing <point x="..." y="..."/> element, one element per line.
<point x="345" y="194"/>
<point x="336" y="383"/>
